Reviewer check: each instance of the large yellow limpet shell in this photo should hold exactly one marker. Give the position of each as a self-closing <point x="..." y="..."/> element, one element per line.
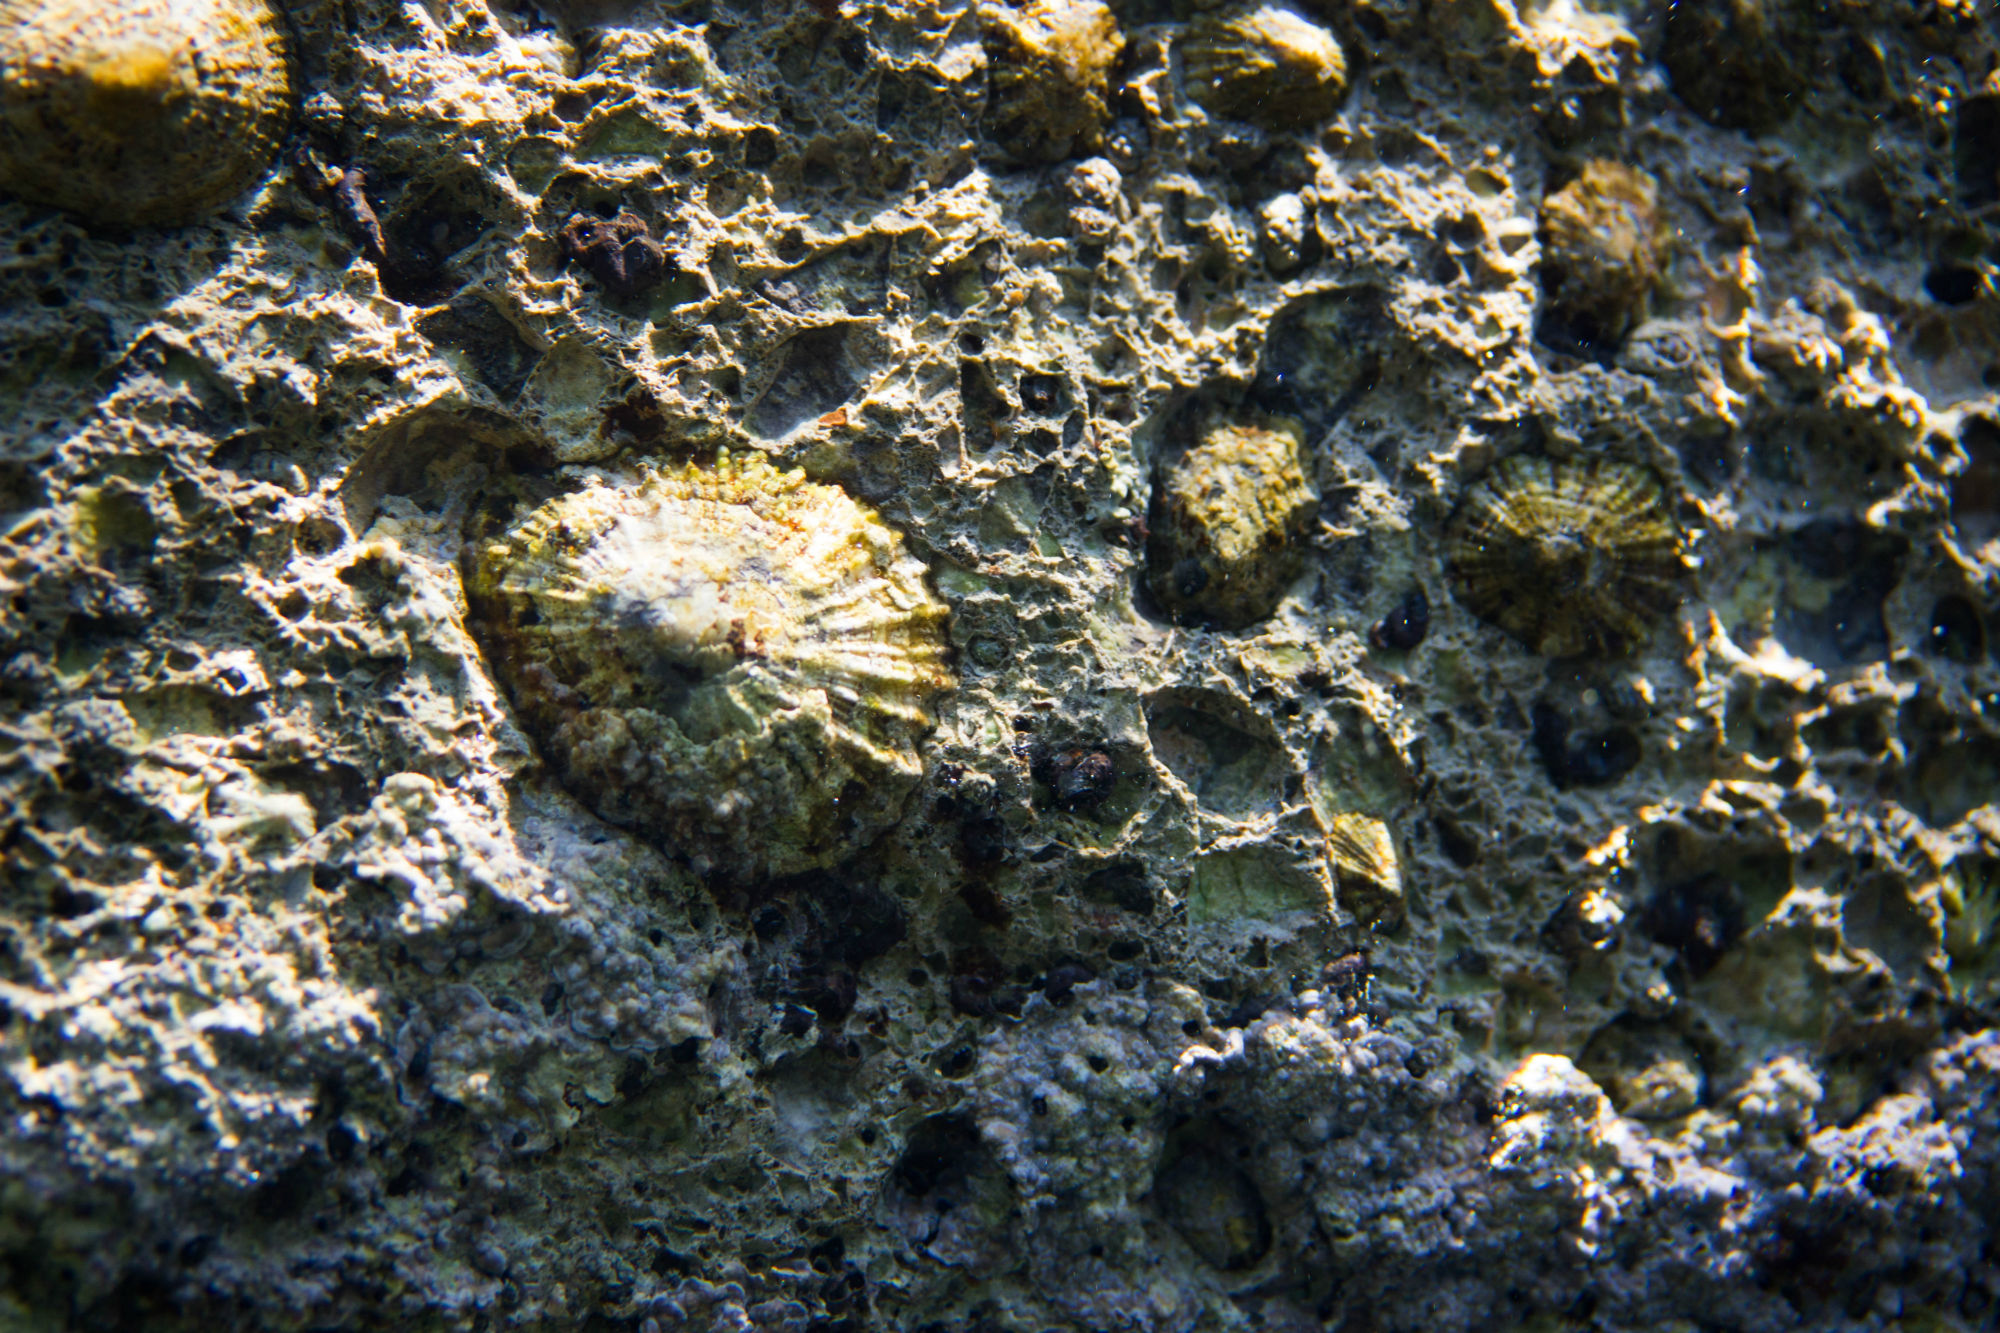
<point x="139" y="112"/>
<point x="731" y="661"/>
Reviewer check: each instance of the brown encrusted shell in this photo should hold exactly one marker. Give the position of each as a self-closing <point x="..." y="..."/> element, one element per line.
<point x="1604" y="244"/>
<point x="1050" y="65"/>
<point x="1264" y="64"/>
<point x="732" y="661"/>
<point x="139" y="112"/>
<point x="1568" y="557"/>
<point x="1366" y="867"/>
<point x="1229" y="524"/>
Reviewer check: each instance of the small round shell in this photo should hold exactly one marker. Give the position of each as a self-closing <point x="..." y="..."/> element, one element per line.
<point x="1229" y="524"/>
<point x="1568" y="557"/>
<point x="734" y="662"/>
<point x="139" y="112"/>
<point x="1264" y="64"/>
<point x="1050" y="65"/>
<point x="1366" y="867"/>
<point x="1604" y="244"/>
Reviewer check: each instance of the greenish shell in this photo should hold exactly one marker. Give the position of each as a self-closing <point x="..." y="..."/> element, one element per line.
<point x="140" y="112"/>
<point x="1050" y="64"/>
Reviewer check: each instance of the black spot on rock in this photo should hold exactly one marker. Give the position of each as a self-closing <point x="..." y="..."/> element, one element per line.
<point x="619" y="252"/>
<point x="1592" y="759"/>
<point x="1701" y="919"/>
<point x="1403" y="628"/>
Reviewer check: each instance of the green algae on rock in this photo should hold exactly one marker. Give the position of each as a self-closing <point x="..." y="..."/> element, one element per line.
<point x="1264" y="64"/>
<point x="1229" y="524"/>
<point x="1603" y="247"/>
<point x="733" y="661"/>
<point x="1568" y="557"/>
<point x="1050" y="68"/>
<point x="139" y="112"/>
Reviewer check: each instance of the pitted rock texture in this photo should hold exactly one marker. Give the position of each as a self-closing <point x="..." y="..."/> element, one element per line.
<point x="1660" y="993"/>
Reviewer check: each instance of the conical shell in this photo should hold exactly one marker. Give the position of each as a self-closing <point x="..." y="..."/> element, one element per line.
<point x="1050" y="65"/>
<point x="1264" y="64"/>
<point x="1568" y="557"/>
<point x="1230" y="523"/>
<point x="1365" y="865"/>
<point x="135" y="112"/>
<point x="734" y="662"/>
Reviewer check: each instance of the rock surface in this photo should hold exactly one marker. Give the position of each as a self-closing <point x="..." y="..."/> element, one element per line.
<point x="324" y="1004"/>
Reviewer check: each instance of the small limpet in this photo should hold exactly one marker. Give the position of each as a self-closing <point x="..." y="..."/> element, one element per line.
<point x="1230" y="522"/>
<point x="1568" y="557"/>
<point x="1050" y="64"/>
<point x="140" y="112"/>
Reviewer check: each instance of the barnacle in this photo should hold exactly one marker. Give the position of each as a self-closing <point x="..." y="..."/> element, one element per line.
<point x="1366" y="868"/>
<point x="732" y="661"/>
<point x="1050" y="64"/>
<point x="1568" y="557"/>
<point x="1264" y="64"/>
<point x="139" y="112"/>
<point x="1228" y="524"/>
<point x="1603" y="244"/>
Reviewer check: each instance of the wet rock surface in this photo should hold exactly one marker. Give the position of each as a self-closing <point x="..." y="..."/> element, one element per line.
<point x="1368" y="949"/>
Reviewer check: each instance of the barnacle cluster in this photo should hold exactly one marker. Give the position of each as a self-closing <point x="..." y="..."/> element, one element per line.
<point x="1603" y="245"/>
<point x="1569" y="557"/>
<point x="139" y="112"/>
<point x="1050" y="65"/>
<point x="733" y="661"/>
<point x="1264" y="64"/>
<point x="1229" y="522"/>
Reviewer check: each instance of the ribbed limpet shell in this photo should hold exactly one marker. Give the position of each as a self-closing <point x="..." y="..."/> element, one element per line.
<point x="1365" y="864"/>
<point x="1568" y="557"/>
<point x="139" y="112"/>
<point x="1264" y="64"/>
<point x="732" y="661"/>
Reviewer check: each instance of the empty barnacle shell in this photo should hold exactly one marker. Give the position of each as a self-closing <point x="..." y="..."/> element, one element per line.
<point x="1366" y="869"/>
<point x="1568" y="557"/>
<point x="139" y="112"/>
<point x="1050" y="65"/>
<point x="1264" y="64"/>
<point x="1229" y="524"/>
<point x="1604" y="244"/>
<point x="731" y="661"/>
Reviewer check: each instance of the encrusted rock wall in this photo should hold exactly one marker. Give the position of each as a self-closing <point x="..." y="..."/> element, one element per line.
<point x="1361" y="953"/>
